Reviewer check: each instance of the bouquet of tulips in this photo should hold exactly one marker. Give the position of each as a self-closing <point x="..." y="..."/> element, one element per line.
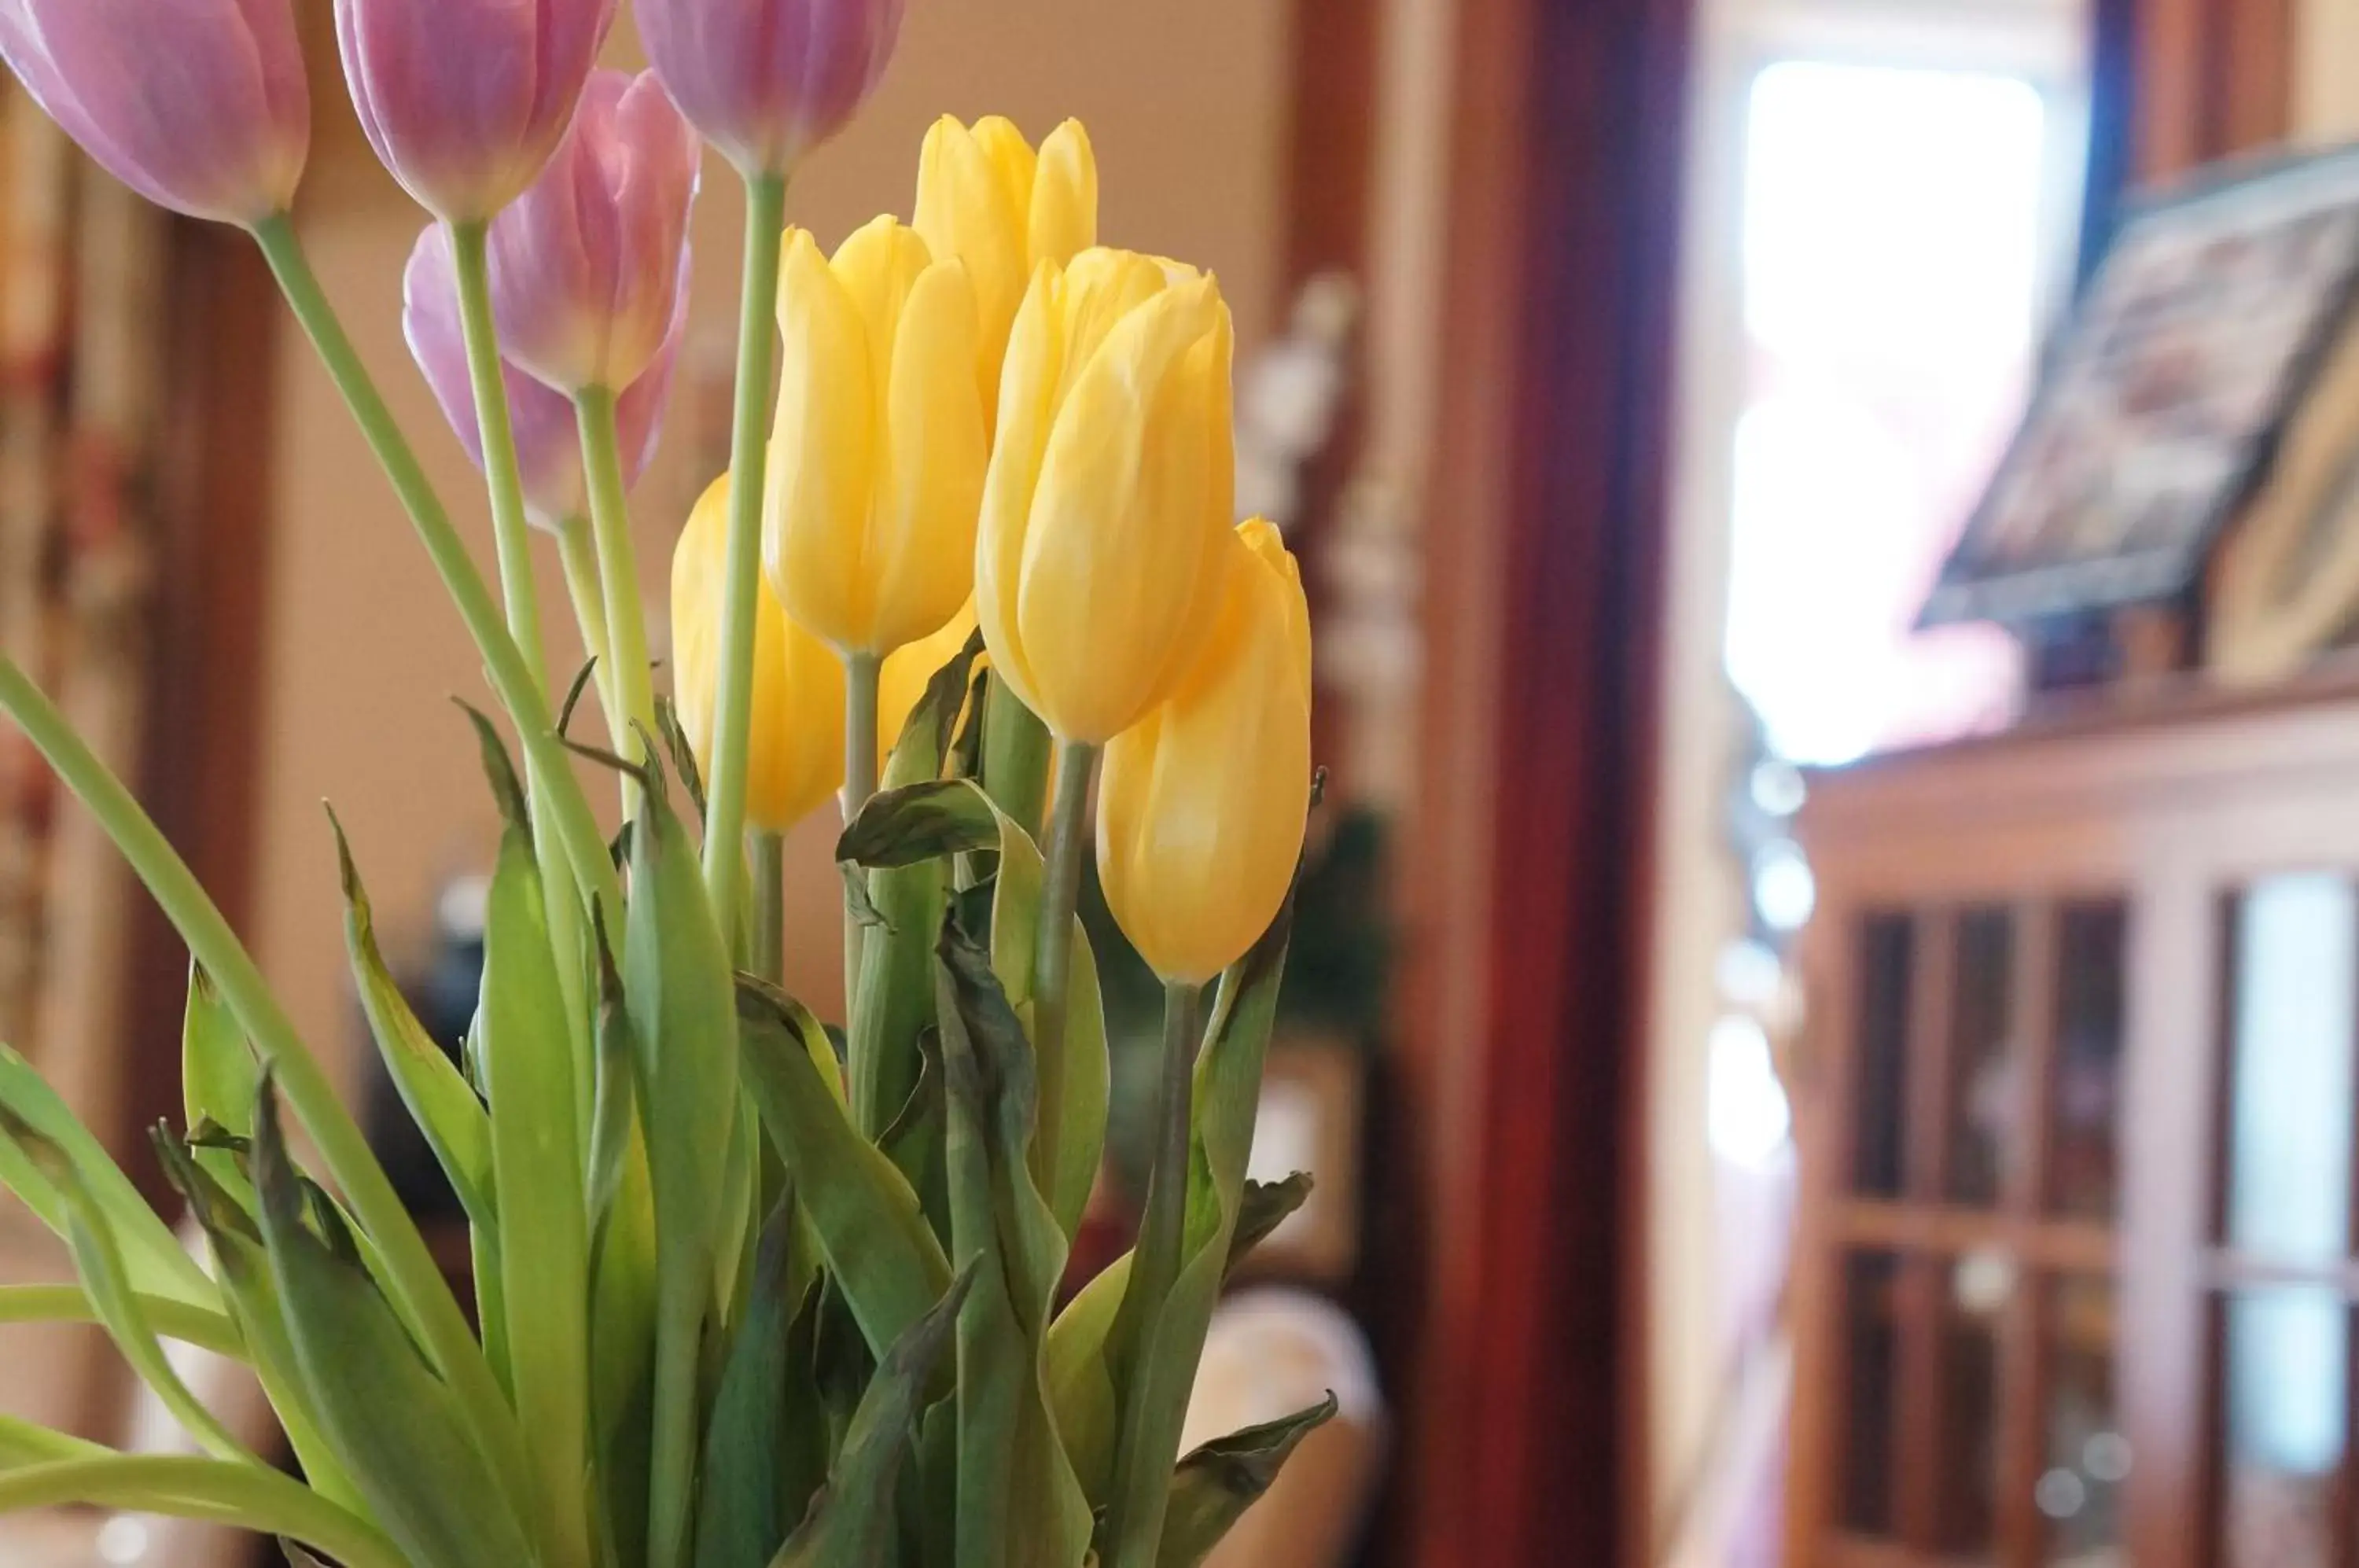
<point x="750" y="1288"/>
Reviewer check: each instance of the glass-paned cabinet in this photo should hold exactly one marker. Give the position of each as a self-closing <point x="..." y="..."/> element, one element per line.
<point x="2079" y="1093"/>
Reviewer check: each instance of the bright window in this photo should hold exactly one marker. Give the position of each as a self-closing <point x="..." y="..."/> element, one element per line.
<point x="1894" y="254"/>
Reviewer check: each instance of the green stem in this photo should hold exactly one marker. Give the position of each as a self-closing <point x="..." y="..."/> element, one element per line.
<point x="1015" y="747"/>
<point x="425" y="1299"/>
<point x="512" y="538"/>
<point x="1134" y="1514"/>
<point x="511" y="532"/>
<point x="862" y="674"/>
<point x="618" y="568"/>
<point x="579" y="554"/>
<point x="766" y="206"/>
<point x="243" y="1497"/>
<point x="1052" y="949"/>
<point x="511" y="676"/>
<point x="769" y="935"/>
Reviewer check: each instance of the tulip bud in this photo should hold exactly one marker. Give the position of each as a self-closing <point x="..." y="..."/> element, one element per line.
<point x="794" y="752"/>
<point x="1110" y="487"/>
<point x="585" y="265"/>
<point x="464" y="100"/>
<point x="876" y="468"/>
<point x="1203" y="805"/>
<point x="766" y="80"/>
<point x="548" y="436"/>
<point x="200" y="105"/>
<point x="902" y="682"/>
<point x="985" y="197"/>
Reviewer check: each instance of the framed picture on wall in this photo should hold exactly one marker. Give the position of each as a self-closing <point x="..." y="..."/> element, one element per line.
<point x="2160" y="407"/>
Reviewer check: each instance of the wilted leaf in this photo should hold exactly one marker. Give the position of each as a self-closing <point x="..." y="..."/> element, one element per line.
<point x="741" y="1516"/>
<point x="881" y="1252"/>
<point x="851" y="1519"/>
<point x="1263" y="1207"/>
<point x="1018" y="1499"/>
<point x="1215" y="1485"/>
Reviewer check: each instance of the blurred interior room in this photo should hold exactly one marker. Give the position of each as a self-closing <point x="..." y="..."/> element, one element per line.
<point x="1824" y="1013"/>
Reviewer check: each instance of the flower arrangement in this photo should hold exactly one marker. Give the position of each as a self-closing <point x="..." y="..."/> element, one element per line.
<point x="750" y="1289"/>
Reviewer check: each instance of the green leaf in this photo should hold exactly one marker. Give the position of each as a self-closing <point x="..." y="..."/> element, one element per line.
<point x="1263" y="1207"/>
<point x="536" y="1174"/>
<point x="851" y="1521"/>
<point x="1018" y="1499"/>
<point x="878" y="1246"/>
<point x="441" y="1100"/>
<point x="218" y="1068"/>
<point x="924" y="822"/>
<point x="199" y="1326"/>
<point x="622" y="1275"/>
<point x="23" y="1444"/>
<point x="682" y="752"/>
<point x="396" y="1427"/>
<point x="499" y="770"/>
<point x="893" y="996"/>
<point x="99" y="1262"/>
<point x="243" y="1497"/>
<point x="1080" y="1378"/>
<point x="683" y="1016"/>
<point x="153" y="1258"/>
<point x="251" y="1296"/>
<point x="741" y="1513"/>
<point x="1216" y="1484"/>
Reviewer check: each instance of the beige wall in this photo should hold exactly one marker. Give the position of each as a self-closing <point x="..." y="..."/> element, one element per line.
<point x="1185" y="100"/>
<point x="2325" y="71"/>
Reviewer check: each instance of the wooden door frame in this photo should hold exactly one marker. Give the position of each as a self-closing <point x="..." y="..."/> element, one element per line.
<point x="1529" y="874"/>
<point x="211" y="513"/>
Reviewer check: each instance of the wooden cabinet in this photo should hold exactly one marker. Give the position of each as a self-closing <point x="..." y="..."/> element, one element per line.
<point x="2078" y="1260"/>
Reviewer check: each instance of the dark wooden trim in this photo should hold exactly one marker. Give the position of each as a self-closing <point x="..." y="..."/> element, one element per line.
<point x="212" y="510"/>
<point x="1545" y="522"/>
<point x="2211" y="78"/>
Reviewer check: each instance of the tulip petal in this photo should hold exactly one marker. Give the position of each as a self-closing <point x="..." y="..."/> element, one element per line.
<point x="974" y="189"/>
<point x="1063" y="219"/>
<point x="824" y="451"/>
<point x="200" y="106"/>
<point x="1120" y="528"/>
<point x="1028" y="391"/>
<point x="1204" y="805"/>
<point x="920" y="545"/>
<point x="795" y="750"/>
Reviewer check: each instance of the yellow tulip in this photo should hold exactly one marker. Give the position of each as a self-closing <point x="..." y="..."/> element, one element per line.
<point x="1203" y="806"/>
<point x="1111" y="485"/>
<point x="908" y="673"/>
<point x="795" y="757"/>
<point x="877" y="463"/>
<point x="985" y="197"/>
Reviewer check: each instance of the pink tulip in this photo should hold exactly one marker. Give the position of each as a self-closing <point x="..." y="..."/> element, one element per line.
<point x="464" y="100"/>
<point x="766" y="80"/>
<point x="200" y="105"/>
<point x="548" y="446"/>
<point x="585" y="265"/>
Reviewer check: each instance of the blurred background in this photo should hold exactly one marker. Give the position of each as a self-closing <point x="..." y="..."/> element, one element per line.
<point x="1825" y="1014"/>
